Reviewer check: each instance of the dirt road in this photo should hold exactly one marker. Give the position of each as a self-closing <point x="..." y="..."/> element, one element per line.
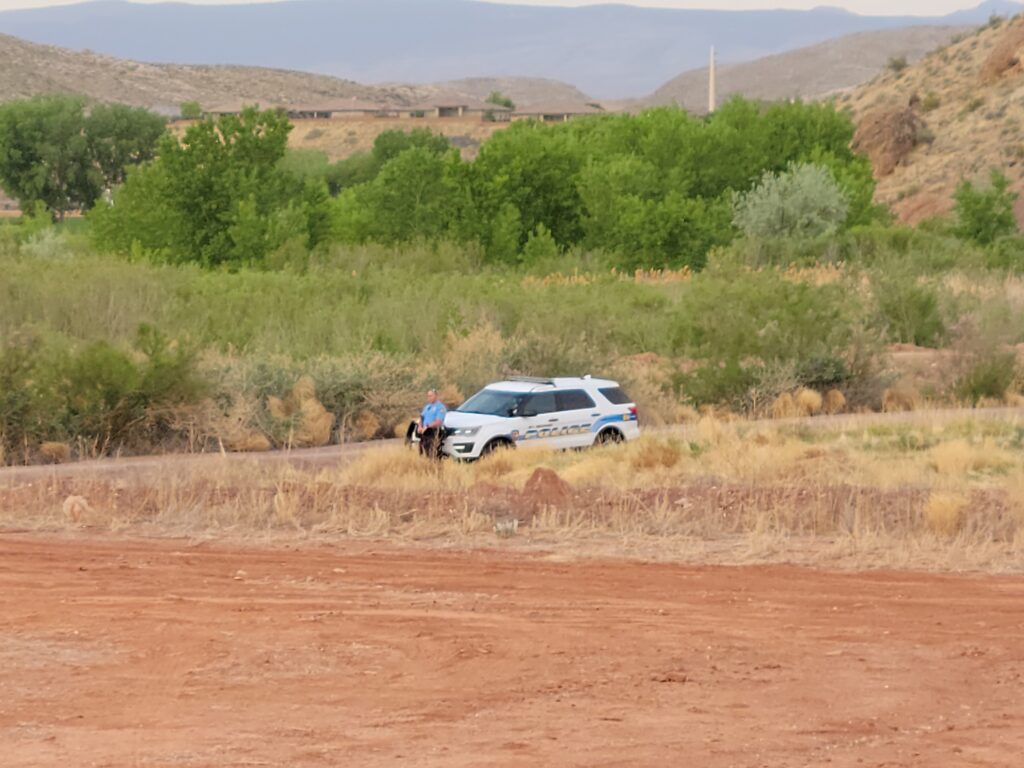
<point x="128" y="653"/>
<point x="141" y="467"/>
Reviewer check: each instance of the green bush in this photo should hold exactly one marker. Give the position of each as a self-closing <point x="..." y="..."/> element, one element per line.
<point x="985" y="214"/>
<point x="95" y="393"/>
<point x="805" y="201"/>
<point x="743" y="326"/>
<point x="910" y="310"/>
<point x="988" y="378"/>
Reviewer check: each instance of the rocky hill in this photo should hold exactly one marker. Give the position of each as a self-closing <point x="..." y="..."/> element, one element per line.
<point x="807" y="72"/>
<point x="29" y="69"/>
<point x="957" y="113"/>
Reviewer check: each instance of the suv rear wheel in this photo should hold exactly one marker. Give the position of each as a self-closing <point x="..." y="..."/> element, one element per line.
<point x="609" y="437"/>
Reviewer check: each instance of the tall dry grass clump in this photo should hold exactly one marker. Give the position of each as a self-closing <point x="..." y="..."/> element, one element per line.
<point x="944" y="513"/>
<point x="834" y="402"/>
<point x="785" y="407"/>
<point x="311" y="424"/>
<point x="959" y="457"/>
<point x="808" y="402"/>
<point x="900" y="398"/>
<point x="655" y="454"/>
<point x="54" y="453"/>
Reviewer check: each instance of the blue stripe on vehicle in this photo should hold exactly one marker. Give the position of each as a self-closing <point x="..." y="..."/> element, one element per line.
<point x="604" y="421"/>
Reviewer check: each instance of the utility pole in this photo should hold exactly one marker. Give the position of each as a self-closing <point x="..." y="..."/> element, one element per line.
<point x="712" y="84"/>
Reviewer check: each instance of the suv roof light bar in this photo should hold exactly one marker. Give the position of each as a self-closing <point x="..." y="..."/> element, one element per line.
<point x="532" y="380"/>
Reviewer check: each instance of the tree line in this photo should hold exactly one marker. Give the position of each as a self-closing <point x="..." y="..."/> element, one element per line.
<point x="658" y="189"/>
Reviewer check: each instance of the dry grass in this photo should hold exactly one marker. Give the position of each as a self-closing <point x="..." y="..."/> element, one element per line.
<point x="808" y="402"/>
<point x="932" y="494"/>
<point x="901" y="398"/>
<point x="944" y="513"/>
<point x="834" y="402"/>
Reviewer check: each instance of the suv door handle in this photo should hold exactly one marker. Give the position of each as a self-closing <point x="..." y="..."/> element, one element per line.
<point x="552" y="421"/>
<point x="595" y="415"/>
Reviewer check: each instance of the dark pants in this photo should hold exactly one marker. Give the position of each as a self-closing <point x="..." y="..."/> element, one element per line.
<point x="430" y="442"/>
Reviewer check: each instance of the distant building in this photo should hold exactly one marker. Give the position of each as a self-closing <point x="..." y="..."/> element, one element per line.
<point x="439" y="108"/>
<point x="556" y="113"/>
<point x="456" y="107"/>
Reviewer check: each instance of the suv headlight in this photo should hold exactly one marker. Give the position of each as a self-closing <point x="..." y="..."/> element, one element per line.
<point x="466" y="431"/>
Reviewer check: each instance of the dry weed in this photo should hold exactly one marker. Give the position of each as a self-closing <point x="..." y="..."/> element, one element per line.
<point x="313" y="424"/>
<point x="808" y="402"/>
<point x="959" y="457"/>
<point x="367" y="426"/>
<point x="785" y="407"/>
<point x="902" y="397"/>
<point x="834" y="402"/>
<point x="1014" y="399"/>
<point x="944" y="513"/>
<point x="652" y="454"/>
<point x="55" y="453"/>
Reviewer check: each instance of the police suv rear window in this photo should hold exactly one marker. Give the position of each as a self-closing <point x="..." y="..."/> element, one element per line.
<point x="615" y="395"/>
<point x="574" y="400"/>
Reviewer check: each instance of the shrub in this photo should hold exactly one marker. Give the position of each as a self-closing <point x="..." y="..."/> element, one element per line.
<point x="991" y="376"/>
<point x="909" y="309"/>
<point x="897" y="64"/>
<point x="771" y="324"/>
<point x="805" y="201"/>
<point x="985" y="214"/>
<point x="97" y="393"/>
<point x="190" y="110"/>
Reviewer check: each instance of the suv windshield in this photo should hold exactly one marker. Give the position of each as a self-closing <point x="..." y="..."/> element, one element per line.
<point x="491" y="402"/>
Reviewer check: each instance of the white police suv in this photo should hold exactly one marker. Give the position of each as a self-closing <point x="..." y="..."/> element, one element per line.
<point x="546" y="413"/>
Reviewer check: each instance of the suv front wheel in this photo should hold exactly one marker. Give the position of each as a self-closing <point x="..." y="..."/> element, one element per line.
<point x="496" y="445"/>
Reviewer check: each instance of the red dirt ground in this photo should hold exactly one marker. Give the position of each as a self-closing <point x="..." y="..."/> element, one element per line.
<point x="167" y="653"/>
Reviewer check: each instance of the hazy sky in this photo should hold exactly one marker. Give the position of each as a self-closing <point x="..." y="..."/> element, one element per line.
<point x="867" y="7"/>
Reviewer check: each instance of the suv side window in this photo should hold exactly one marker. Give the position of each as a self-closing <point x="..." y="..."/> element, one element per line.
<point x="615" y="395"/>
<point x="574" y="400"/>
<point x="541" y="402"/>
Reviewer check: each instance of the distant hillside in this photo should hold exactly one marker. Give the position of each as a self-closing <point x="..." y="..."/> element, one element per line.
<point x="807" y="72"/>
<point x="524" y="91"/>
<point x="28" y="69"/>
<point x="609" y="51"/>
<point x="955" y="114"/>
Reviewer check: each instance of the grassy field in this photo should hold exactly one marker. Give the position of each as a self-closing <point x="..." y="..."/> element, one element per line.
<point x="943" y="494"/>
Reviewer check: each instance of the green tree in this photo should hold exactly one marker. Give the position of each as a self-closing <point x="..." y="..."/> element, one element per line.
<point x="410" y="198"/>
<point x="985" y="214"/>
<point x="44" y="154"/>
<point x="390" y="144"/>
<point x="534" y="168"/>
<point x="52" y="151"/>
<point x="119" y="136"/>
<point x="497" y="97"/>
<point x="190" y="110"/>
<point x="209" y="197"/>
<point x="805" y="201"/>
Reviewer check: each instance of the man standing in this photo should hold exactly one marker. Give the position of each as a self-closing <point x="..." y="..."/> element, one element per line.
<point x="431" y="425"/>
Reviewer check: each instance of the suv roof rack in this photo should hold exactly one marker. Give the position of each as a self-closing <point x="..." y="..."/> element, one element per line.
<point x="532" y="380"/>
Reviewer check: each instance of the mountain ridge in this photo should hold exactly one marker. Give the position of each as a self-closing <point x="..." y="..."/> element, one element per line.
<point x="609" y="51"/>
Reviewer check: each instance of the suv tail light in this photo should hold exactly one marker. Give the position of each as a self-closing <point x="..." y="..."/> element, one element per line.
<point x="634" y="413"/>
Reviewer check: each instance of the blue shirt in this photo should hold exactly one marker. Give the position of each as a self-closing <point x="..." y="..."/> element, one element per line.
<point x="433" y="412"/>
